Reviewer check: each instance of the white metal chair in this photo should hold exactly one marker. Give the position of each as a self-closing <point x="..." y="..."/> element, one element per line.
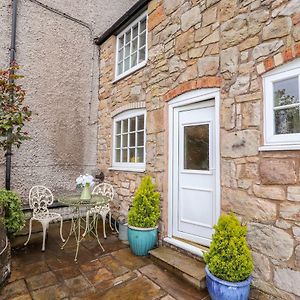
<point x="107" y="190"/>
<point x="40" y="198"/>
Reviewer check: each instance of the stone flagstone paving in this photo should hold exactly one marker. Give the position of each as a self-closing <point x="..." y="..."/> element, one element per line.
<point x="113" y="274"/>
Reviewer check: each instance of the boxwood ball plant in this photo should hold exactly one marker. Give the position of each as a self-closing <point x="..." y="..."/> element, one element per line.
<point x="229" y="257"/>
<point x="145" y="210"/>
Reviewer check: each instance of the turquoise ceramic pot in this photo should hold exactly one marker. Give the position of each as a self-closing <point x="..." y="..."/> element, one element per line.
<point x="142" y="240"/>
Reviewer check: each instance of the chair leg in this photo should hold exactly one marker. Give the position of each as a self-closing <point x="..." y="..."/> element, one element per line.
<point x="103" y="220"/>
<point x="60" y="231"/>
<point x="45" y="225"/>
<point x="29" y="234"/>
<point x="109" y="216"/>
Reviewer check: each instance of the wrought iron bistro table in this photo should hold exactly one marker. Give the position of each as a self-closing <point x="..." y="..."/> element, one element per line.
<point x="77" y="206"/>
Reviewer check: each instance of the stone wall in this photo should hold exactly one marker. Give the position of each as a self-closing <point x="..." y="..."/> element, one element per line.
<point x="59" y="60"/>
<point x="229" y="44"/>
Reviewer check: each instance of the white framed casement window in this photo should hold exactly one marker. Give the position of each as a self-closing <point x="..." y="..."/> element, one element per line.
<point x="129" y="141"/>
<point x="131" y="48"/>
<point x="282" y="108"/>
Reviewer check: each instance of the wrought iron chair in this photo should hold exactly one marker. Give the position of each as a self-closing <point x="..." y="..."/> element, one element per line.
<point x="40" y="198"/>
<point x="107" y="190"/>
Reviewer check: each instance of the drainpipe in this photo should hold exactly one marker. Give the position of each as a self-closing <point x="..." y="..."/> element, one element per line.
<point x="8" y="153"/>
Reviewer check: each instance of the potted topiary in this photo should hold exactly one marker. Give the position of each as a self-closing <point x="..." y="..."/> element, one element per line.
<point x="143" y="218"/>
<point x="229" y="262"/>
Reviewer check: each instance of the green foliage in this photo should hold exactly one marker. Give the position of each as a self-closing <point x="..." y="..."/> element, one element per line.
<point x="229" y="257"/>
<point x="145" y="210"/>
<point x="14" y="217"/>
<point x="13" y="113"/>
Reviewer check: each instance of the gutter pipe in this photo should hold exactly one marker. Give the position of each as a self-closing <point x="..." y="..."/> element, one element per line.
<point x="12" y="50"/>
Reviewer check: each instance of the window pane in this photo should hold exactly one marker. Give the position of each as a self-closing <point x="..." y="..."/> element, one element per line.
<point x="140" y="122"/>
<point x="287" y="121"/>
<point x="142" y="40"/>
<point x="132" y="140"/>
<point x="120" y="68"/>
<point x="120" y="55"/>
<point x="127" y="50"/>
<point x="118" y="125"/>
<point x="140" y="138"/>
<point x="118" y="141"/>
<point x="286" y="92"/>
<point x="125" y="126"/>
<point x="127" y="36"/>
<point x="134" y="59"/>
<point x="196" y="147"/>
<point x="132" y="155"/>
<point x="125" y="140"/>
<point x="140" y="155"/>
<point x="135" y="31"/>
<point x="118" y="155"/>
<point x="124" y="155"/>
<point x="134" y="45"/>
<point x="121" y="41"/>
<point x="132" y="124"/>
<point x="142" y="25"/>
<point x="127" y="64"/>
<point x="142" y="56"/>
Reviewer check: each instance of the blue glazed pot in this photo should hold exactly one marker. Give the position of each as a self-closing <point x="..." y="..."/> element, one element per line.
<point x="142" y="240"/>
<point x="225" y="290"/>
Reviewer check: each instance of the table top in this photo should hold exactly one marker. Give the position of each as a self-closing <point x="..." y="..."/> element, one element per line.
<point x="74" y="200"/>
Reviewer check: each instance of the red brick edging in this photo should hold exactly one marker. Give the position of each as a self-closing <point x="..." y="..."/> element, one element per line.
<point x="204" y="82"/>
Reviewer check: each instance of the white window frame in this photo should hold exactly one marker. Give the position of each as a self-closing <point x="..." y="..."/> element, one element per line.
<point x="274" y="141"/>
<point x="127" y="166"/>
<point x="139" y="65"/>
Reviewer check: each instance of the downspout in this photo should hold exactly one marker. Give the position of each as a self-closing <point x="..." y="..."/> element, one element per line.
<point x="8" y="153"/>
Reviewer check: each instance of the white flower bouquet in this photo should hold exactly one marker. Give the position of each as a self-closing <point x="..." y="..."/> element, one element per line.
<point x="84" y="180"/>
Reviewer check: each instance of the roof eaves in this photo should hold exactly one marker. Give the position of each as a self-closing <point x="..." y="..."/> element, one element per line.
<point x="138" y="6"/>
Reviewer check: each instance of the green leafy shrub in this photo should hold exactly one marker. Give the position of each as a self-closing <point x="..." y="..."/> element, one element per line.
<point x="229" y="257"/>
<point x="14" y="217"/>
<point x="145" y="210"/>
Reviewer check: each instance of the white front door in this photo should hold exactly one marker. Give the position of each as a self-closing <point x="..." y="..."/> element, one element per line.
<point x="194" y="171"/>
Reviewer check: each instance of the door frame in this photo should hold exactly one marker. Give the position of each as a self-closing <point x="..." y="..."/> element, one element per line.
<point x="185" y="99"/>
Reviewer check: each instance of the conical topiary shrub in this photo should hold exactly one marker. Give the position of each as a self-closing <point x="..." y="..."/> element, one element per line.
<point x="145" y="211"/>
<point x="229" y="257"/>
<point x="143" y="218"/>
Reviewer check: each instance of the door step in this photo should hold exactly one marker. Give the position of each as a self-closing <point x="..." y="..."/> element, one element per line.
<point x="181" y="265"/>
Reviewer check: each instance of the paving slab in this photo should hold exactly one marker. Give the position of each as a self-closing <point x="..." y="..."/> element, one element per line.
<point x="77" y="284"/>
<point x="130" y="261"/>
<point x="99" y="275"/>
<point x="14" y="289"/>
<point x="54" y="292"/>
<point x="113" y="265"/>
<point x="172" y="284"/>
<point x="140" y="288"/>
<point x="41" y="280"/>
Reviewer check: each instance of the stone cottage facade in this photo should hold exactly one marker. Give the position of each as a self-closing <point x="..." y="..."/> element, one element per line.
<point x="215" y="96"/>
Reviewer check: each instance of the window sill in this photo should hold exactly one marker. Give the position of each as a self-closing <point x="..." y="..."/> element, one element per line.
<point x="130" y="72"/>
<point x="137" y="170"/>
<point x="281" y="147"/>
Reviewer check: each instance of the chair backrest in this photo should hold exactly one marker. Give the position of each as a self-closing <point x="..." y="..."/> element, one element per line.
<point x="104" y="189"/>
<point x="40" y="198"/>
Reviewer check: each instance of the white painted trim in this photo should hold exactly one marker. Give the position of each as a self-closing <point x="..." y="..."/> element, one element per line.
<point x="185" y="246"/>
<point x="131" y="167"/>
<point x="278" y="141"/>
<point x="183" y="100"/>
<point x="282" y="147"/>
